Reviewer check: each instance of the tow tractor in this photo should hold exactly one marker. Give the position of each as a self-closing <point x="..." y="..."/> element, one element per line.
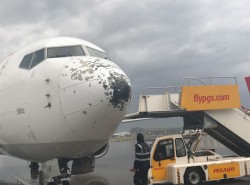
<point x="172" y="161"/>
<point x="214" y="109"/>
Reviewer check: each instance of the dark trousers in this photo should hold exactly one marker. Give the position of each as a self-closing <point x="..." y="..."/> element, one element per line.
<point x="141" y="177"/>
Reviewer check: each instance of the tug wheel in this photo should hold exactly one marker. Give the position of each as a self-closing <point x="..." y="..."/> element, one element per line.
<point x="193" y="176"/>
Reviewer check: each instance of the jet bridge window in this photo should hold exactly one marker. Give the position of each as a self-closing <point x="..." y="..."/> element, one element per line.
<point x="96" y="53"/>
<point x="65" y="51"/>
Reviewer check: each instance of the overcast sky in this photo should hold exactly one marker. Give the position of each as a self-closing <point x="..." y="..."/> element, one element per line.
<point x="156" y="43"/>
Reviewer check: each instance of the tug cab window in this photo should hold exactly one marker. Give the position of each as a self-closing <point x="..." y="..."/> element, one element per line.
<point x="180" y="148"/>
<point x="164" y="150"/>
<point x="96" y="53"/>
<point x="65" y="51"/>
<point x="31" y="60"/>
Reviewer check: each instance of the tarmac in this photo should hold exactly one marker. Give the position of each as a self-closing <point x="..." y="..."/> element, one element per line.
<point x="112" y="169"/>
<point x="242" y="181"/>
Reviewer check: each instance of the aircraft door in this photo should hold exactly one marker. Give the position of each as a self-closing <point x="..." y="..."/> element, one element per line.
<point x="163" y="155"/>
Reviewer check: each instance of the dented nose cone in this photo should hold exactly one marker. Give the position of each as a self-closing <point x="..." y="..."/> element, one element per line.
<point x="94" y="95"/>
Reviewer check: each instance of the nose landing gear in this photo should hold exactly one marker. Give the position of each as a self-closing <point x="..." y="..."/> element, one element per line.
<point x="56" y="171"/>
<point x="52" y="174"/>
<point x="34" y="166"/>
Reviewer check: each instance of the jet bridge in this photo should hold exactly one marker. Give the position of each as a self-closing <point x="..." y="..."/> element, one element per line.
<point x="214" y="108"/>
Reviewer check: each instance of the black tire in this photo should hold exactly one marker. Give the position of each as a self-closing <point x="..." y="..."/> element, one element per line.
<point x="65" y="182"/>
<point x="193" y="176"/>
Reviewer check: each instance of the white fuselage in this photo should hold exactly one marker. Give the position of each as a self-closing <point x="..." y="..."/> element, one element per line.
<point x="63" y="107"/>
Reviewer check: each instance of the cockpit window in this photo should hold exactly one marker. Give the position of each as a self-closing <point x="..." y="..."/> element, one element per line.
<point x="32" y="59"/>
<point x="38" y="57"/>
<point x="65" y="51"/>
<point x="25" y="64"/>
<point x="96" y="53"/>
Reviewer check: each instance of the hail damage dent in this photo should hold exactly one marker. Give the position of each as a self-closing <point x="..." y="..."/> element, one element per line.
<point x="115" y="83"/>
<point x="121" y="90"/>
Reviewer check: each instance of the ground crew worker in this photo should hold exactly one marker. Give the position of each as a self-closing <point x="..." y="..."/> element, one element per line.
<point x="142" y="161"/>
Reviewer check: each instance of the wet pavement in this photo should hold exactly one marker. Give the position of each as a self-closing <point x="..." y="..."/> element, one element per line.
<point x="112" y="169"/>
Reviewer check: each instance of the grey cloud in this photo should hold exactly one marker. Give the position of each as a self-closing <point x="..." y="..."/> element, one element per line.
<point x="156" y="43"/>
<point x="20" y="11"/>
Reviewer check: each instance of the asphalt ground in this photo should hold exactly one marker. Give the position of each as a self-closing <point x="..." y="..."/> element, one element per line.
<point x="112" y="169"/>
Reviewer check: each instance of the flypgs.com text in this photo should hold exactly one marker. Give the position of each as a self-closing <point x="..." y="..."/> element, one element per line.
<point x="208" y="99"/>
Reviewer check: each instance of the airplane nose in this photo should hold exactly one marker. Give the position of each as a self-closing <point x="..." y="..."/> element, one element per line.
<point x="94" y="96"/>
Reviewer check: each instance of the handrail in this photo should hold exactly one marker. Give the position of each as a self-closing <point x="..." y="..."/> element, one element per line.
<point x="188" y="79"/>
<point x="176" y="89"/>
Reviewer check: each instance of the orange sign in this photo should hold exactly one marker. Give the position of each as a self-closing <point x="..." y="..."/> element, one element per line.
<point x="225" y="170"/>
<point x="210" y="97"/>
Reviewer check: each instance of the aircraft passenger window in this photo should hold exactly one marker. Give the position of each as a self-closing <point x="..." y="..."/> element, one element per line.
<point x="96" y="53"/>
<point x="25" y="63"/>
<point x="180" y="148"/>
<point x="65" y="51"/>
<point x="38" y="57"/>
